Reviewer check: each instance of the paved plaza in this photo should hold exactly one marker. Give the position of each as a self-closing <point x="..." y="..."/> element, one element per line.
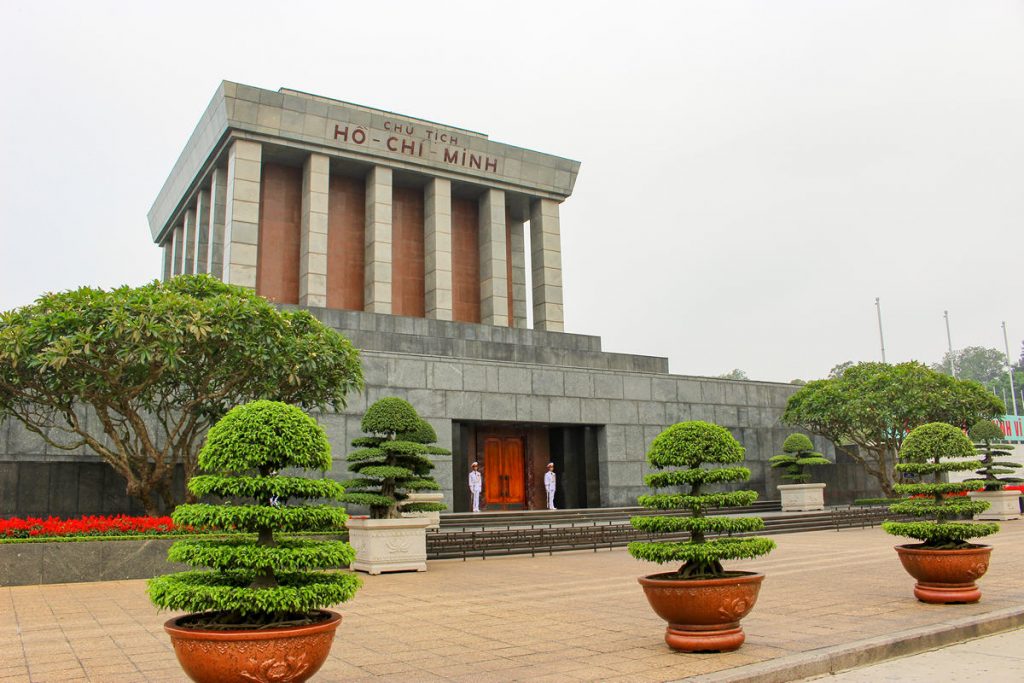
<point x="576" y="616"/>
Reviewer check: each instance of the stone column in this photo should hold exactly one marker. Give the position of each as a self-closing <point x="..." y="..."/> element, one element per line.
<point x="178" y="238"/>
<point x="202" y="231"/>
<point x="316" y="180"/>
<point x="242" y="213"/>
<point x="493" y="264"/>
<point x="218" y="208"/>
<point x="190" y="242"/>
<point x="377" y="283"/>
<point x="546" y="258"/>
<point x="168" y="247"/>
<point x="438" y="249"/>
<point x="516" y="231"/>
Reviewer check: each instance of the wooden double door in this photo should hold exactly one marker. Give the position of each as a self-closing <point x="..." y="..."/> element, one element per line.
<point x="504" y="465"/>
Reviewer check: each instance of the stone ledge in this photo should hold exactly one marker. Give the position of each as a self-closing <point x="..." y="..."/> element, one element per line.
<point x="831" y="660"/>
<point x="29" y="564"/>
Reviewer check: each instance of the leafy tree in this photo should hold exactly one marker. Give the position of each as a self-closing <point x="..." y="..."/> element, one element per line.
<point x="139" y="374"/>
<point x="935" y="449"/>
<point x="393" y="461"/>
<point x="797" y="455"/>
<point x="974" y="362"/>
<point x="735" y="373"/>
<point x="682" y="451"/>
<point x="839" y="369"/>
<point x="874" y="405"/>
<point x="262" y="580"/>
<point x="984" y="433"/>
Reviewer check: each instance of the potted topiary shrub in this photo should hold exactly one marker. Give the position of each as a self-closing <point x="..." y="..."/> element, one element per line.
<point x="390" y="464"/>
<point x="1003" y="504"/>
<point x="259" y="615"/>
<point x="701" y="601"/>
<point x="797" y="455"/>
<point x="944" y="563"/>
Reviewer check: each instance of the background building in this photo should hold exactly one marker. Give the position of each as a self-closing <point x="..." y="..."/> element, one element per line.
<point x="420" y="242"/>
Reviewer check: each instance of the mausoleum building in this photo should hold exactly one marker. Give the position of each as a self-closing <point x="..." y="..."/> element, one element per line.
<point x="437" y="251"/>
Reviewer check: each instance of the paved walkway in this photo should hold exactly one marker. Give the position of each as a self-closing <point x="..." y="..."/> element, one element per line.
<point x="995" y="659"/>
<point x="569" y="617"/>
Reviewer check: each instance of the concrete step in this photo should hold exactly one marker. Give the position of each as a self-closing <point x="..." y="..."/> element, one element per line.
<point x="532" y="518"/>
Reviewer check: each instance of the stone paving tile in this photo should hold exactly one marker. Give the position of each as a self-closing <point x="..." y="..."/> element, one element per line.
<point x="568" y="617"/>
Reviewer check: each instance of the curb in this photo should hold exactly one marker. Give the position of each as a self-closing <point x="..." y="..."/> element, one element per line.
<point x="830" y="660"/>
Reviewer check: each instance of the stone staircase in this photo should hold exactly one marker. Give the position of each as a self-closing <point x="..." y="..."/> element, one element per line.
<point x="464" y="535"/>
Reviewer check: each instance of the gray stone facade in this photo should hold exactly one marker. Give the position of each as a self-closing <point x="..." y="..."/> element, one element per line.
<point x="457" y="372"/>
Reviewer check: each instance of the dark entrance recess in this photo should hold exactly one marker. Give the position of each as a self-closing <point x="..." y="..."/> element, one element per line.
<point x="513" y="458"/>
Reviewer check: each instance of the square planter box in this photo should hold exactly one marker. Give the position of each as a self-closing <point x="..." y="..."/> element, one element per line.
<point x="1003" y="505"/>
<point x="802" y="497"/>
<point x="388" y="545"/>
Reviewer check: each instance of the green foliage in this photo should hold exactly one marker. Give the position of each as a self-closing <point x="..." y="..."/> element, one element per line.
<point x="975" y="363"/>
<point x="874" y="405"/>
<point x="263" y="436"/>
<point x="389" y="416"/>
<point x="692" y="444"/>
<point x="936" y="443"/>
<point x="797" y="455"/>
<point x="705" y="452"/>
<point x="256" y="517"/>
<point x="422" y="433"/>
<point x="735" y="373"/>
<point x="990" y="467"/>
<point x="707" y="554"/>
<point x="139" y="374"/>
<point x="947" y="536"/>
<point x="394" y="461"/>
<point x="266" y="579"/>
<point x="232" y="592"/>
<point x="265" y="488"/>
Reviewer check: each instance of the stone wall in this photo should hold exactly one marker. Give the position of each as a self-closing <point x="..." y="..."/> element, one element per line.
<point x="460" y="372"/>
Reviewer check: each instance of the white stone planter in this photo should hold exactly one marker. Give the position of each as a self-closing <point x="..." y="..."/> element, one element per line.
<point x="426" y="497"/>
<point x="802" y="497"/>
<point x="388" y="545"/>
<point x="1003" y="505"/>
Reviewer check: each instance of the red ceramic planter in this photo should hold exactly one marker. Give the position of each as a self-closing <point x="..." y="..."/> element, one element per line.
<point x="703" y="615"/>
<point x="274" y="655"/>
<point x="945" y="576"/>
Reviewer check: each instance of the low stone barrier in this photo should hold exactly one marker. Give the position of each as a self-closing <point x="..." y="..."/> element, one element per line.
<point x="27" y="564"/>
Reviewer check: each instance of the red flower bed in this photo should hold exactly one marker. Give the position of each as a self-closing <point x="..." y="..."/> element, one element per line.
<point x="1016" y="487"/>
<point x="116" y="525"/>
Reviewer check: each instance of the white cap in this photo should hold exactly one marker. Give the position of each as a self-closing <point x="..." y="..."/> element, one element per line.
<point x="476" y="464"/>
<point x="551" y="464"/>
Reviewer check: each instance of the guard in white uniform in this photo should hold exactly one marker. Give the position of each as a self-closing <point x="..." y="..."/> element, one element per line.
<point x="549" y="485"/>
<point x="476" y="484"/>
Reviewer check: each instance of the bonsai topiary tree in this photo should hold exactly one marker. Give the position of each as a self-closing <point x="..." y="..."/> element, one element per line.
<point x="797" y="455"/>
<point x="927" y="452"/>
<point x="264" y="579"/>
<point x="984" y="433"/>
<point x="393" y="461"/>
<point x="693" y="457"/>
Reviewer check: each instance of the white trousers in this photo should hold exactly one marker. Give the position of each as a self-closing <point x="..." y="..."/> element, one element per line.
<point x="551" y="499"/>
<point x="476" y="500"/>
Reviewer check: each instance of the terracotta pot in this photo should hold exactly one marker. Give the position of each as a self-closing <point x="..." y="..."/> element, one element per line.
<point x="703" y="614"/>
<point x="274" y="655"/>
<point x="945" y="576"/>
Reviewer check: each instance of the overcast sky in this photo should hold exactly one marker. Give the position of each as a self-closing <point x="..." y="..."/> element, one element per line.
<point x="754" y="173"/>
